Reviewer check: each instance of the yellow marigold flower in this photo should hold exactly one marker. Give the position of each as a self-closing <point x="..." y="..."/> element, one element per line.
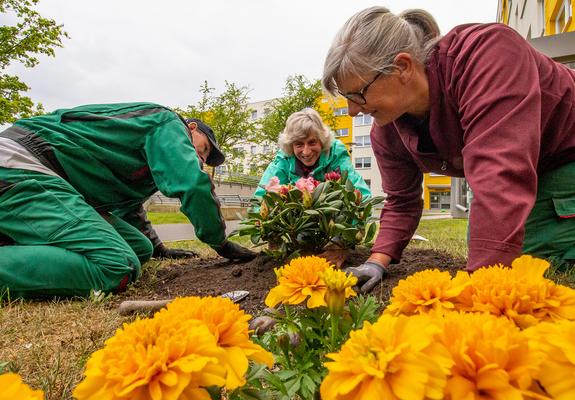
<point x="520" y="293"/>
<point x="556" y="344"/>
<point x="229" y="324"/>
<point x="156" y="360"/>
<point x="395" y="358"/>
<point x="300" y="280"/>
<point x="491" y="355"/>
<point x="13" y="388"/>
<point x="427" y="291"/>
<point x="339" y="287"/>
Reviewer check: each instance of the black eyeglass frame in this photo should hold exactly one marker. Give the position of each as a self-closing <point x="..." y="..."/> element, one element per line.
<point x="359" y="96"/>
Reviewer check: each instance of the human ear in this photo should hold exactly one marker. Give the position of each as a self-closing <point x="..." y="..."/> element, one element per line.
<point x="193" y="126"/>
<point x="403" y="63"/>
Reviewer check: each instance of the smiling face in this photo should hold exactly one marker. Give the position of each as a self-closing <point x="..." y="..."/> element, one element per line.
<point x="308" y="150"/>
<point x="390" y="95"/>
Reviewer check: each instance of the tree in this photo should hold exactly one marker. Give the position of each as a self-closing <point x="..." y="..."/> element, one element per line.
<point x="30" y="36"/>
<point x="228" y="115"/>
<point x="298" y="93"/>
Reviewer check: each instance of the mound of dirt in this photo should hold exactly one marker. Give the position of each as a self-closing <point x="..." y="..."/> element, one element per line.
<point x="212" y="277"/>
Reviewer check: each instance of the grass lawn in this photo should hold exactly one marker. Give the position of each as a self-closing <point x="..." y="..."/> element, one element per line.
<point x="48" y="343"/>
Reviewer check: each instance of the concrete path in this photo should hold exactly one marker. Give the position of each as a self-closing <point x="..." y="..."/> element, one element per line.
<point x="175" y="232"/>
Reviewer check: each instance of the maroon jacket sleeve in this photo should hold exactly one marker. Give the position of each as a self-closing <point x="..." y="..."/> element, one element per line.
<point x="401" y="180"/>
<point x="495" y="82"/>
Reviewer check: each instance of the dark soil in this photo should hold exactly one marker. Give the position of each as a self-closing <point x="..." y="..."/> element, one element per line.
<point x="213" y="277"/>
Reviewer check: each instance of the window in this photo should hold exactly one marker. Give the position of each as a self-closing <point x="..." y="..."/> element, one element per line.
<point x="254" y="114"/>
<point x="363" y="162"/>
<point x="368" y="182"/>
<point x="340" y="111"/>
<point x="221" y="169"/>
<point x="363" y="140"/>
<point x="266" y="149"/>
<point x="253" y="150"/>
<point x="362" y="119"/>
<point x="439" y="200"/>
<point x="341" y="132"/>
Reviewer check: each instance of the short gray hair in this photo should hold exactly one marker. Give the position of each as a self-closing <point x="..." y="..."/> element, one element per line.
<point x="300" y="125"/>
<point x="369" y="41"/>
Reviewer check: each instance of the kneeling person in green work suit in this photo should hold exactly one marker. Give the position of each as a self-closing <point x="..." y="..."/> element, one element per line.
<point x="72" y="188"/>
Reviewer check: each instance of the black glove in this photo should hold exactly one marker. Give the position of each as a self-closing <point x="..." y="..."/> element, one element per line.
<point x="161" y="251"/>
<point x="234" y="251"/>
<point x="368" y="274"/>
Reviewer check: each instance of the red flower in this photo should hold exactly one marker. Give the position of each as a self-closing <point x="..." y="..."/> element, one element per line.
<point x="332" y="176"/>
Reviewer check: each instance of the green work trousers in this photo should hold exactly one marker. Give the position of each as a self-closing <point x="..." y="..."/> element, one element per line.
<point x="550" y="228"/>
<point x="62" y="246"/>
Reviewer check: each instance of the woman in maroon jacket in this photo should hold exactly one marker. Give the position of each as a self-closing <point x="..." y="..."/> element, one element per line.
<point x="479" y="103"/>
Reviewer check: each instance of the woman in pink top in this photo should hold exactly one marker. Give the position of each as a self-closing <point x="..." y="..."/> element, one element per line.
<point x="479" y="103"/>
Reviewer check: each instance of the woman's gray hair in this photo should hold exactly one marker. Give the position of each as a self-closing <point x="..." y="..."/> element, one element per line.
<point x="370" y="40"/>
<point x="300" y="125"/>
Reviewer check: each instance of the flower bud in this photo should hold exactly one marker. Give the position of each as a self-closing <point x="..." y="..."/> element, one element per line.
<point x="358" y="197"/>
<point x="359" y="236"/>
<point x="264" y="210"/>
<point x="307" y="199"/>
<point x="262" y="324"/>
<point x="294" y="339"/>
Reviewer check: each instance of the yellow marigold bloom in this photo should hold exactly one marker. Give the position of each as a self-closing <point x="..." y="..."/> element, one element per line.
<point x="339" y="287"/>
<point x="156" y="360"/>
<point x="229" y="324"/>
<point x="13" y="388"/>
<point x="520" y="293"/>
<point x="556" y="344"/>
<point x="427" y="291"/>
<point x="395" y="358"/>
<point x="300" y="280"/>
<point x="491" y="355"/>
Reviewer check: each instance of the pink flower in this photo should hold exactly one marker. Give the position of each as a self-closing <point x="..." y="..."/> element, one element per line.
<point x="306" y="184"/>
<point x="332" y="176"/>
<point x="273" y="185"/>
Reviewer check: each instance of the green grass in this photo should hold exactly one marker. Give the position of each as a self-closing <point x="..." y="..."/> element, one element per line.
<point x="445" y="235"/>
<point x="158" y="218"/>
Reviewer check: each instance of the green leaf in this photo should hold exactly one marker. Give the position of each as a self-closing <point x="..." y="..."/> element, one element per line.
<point x="312" y="212"/>
<point x="255" y="239"/>
<point x="284" y="375"/>
<point x="370" y="232"/>
<point x="349" y="186"/>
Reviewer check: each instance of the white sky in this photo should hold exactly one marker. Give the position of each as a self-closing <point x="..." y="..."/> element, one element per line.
<point x="162" y="51"/>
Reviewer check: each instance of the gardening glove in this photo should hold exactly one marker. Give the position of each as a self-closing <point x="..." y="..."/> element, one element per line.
<point x="161" y="251"/>
<point x="233" y="251"/>
<point x="368" y="274"/>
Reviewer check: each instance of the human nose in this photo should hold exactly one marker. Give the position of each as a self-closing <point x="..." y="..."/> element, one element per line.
<point x="353" y="108"/>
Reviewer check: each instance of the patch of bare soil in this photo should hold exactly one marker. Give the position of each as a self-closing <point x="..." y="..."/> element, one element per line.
<point x="212" y="277"/>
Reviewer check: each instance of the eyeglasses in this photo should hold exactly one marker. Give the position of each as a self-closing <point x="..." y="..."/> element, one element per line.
<point x="359" y="97"/>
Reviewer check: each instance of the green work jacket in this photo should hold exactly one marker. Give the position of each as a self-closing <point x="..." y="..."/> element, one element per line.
<point x="118" y="155"/>
<point x="336" y="159"/>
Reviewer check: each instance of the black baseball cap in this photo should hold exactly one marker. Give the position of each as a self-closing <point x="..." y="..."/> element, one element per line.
<point x="216" y="157"/>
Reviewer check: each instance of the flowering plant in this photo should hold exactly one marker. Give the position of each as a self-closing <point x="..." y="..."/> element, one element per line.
<point x="500" y="333"/>
<point x="310" y="215"/>
<point x="319" y="311"/>
<point x="193" y="349"/>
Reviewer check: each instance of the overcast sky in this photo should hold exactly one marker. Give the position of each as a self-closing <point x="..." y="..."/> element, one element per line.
<point x="162" y="51"/>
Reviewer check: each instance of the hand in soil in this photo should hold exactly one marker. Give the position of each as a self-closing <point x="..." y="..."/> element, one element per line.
<point x="368" y="274"/>
<point x="161" y="251"/>
<point x="233" y="251"/>
<point x="335" y="256"/>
